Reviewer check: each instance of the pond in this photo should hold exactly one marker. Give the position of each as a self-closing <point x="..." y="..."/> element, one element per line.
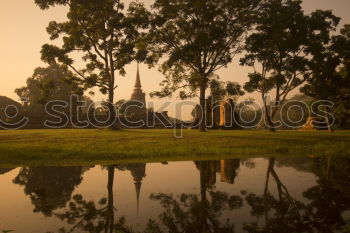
<point x="293" y="194"/>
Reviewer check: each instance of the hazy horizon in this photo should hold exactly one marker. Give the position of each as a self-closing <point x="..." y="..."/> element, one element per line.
<point x="23" y="27"/>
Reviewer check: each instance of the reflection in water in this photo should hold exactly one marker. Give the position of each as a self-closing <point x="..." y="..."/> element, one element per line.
<point x="330" y="199"/>
<point x="91" y="217"/>
<point x="323" y="213"/>
<point x="193" y="213"/>
<point x="228" y="170"/>
<point x="256" y="195"/>
<point x="138" y="172"/>
<point x="5" y="170"/>
<point x="281" y="213"/>
<point x="49" y="188"/>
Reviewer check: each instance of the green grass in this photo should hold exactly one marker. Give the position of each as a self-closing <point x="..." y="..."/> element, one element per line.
<point x="87" y="147"/>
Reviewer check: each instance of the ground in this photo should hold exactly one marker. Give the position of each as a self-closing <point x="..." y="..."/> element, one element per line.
<point x="88" y="147"/>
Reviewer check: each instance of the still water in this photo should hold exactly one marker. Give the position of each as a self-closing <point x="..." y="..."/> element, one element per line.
<point x="280" y="195"/>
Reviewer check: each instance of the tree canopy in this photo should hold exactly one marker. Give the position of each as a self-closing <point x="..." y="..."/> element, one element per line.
<point x="331" y="80"/>
<point x="103" y="34"/>
<point x="196" y="38"/>
<point x="281" y="48"/>
<point x="54" y="82"/>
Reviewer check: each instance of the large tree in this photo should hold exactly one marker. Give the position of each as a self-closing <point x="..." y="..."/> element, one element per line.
<point x="331" y="80"/>
<point x="280" y="49"/>
<point x="196" y="38"/>
<point x="103" y="34"/>
<point x="54" y="82"/>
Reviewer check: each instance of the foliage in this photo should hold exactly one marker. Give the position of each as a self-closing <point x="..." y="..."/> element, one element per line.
<point x="185" y="213"/>
<point x="250" y="114"/>
<point x="198" y="37"/>
<point x="220" y="90"/>
<point x="49" y="188"/>
<point x="196" y="213"/>
<point x="103" y="34"/>
<point x="281" y="47"/>
<point x="54" y="82"/>
<point x="90" y="217"/>
<point x="331" y="80"/>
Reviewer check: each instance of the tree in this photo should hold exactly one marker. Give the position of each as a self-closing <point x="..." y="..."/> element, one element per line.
<point x="250" y="113"/>
<point x="220" y="90"/>
<point x="331" y="80"/>
<point x="197" y="37"/>
<point x="280" y="50"/>
<point x="103" y="34"/>
<point x="54" y="82"/>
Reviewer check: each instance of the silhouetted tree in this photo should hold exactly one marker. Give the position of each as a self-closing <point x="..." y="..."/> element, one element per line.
<point x="198" y="37"/>
<point x="54" y="82"/>
<point x="331" y="80"/>
<point x="280" y="50"/>
<point x="103" y="33"/>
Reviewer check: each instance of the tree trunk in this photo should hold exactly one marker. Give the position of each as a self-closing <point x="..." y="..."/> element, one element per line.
<point x="202" y="122"/>
<point x="112" y="111"/>
<point x="268" y="119"/>
<point x="203" y="187"/>
<point x="110" y="205"/>
<point x="272" y="128"/>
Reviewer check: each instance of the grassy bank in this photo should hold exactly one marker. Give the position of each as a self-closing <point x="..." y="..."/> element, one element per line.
<point x="86" y="147"/>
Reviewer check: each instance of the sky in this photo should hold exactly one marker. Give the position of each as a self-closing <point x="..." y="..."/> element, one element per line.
<point x="23" y="32"/>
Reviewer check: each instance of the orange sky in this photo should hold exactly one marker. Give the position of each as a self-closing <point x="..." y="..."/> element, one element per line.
<point x="23" y="32"/>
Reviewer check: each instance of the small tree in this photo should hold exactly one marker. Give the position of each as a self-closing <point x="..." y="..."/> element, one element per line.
<point x="197" y="38"/>
<point x="103" y="34"/>
<point x="280" y="50"/>
<point x="331" y="80"/>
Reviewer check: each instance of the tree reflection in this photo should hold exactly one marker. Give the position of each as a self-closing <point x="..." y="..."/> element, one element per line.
<point x="330" y="198"/>
<point x="49" y="188"/>
<point x="325" y="213"/>
<point x="324" y="208"/>
<point x="193" y="213"/>
<point x="5" y="170"/>
<point x="281" y="214"/>
<point x="88" y="217"/>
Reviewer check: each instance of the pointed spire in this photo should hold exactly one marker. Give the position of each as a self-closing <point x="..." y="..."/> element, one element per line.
<point x="138" y="172"/>
<point x="138" y="191"/>
<point x="138" y="80"/>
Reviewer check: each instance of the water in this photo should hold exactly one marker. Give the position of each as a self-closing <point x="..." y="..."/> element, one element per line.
<point x="239" y="195"/>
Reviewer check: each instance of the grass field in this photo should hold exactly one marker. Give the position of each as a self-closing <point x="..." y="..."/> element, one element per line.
<point x="87" y="147"/>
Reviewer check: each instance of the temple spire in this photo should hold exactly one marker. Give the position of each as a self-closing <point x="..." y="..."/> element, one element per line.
<point x="138" y="80"/>
<point x="138" y="94"/>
